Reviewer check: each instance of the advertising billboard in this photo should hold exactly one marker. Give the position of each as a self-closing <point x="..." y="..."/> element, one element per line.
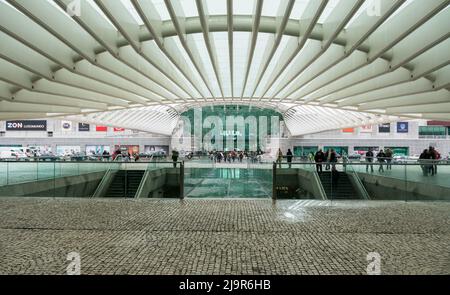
<point x="130" y="149"/>
<point x="92" y="150"/>
<point x="66" y="126"/>
<point x="84" y="127"/>
<point x="402" y="127"/>
<point x="26" y="125"/>
<point x="156" y="149"/>
<point x="118" y="129"/>
<point x="100" y="128"/>
<point x="366" y="129"/>
<point x="348" y="130"/>
<point x="384" y="128"/>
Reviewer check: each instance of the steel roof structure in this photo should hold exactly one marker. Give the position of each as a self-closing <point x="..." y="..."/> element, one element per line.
<point x="324" y="64"/>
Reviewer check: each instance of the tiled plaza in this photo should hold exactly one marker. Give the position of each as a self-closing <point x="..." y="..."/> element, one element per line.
<point x="222" y="236"/>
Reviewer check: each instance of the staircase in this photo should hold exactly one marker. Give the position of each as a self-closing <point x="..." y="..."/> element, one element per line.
<point x="343" y="190"/>
<point x="125" y="184"/>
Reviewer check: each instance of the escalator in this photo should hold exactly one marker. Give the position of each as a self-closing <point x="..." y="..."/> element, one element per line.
<point x="342" y="189"/>
<point x="125" y="184"/>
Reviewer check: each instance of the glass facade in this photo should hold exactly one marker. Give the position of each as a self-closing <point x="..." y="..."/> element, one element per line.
<point x="228" y="127"/>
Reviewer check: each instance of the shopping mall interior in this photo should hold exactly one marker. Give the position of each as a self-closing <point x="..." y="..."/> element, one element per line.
<point x="225" y="137"/>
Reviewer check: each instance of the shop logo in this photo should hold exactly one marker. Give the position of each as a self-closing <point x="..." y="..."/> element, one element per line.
<point x="402" y="127"/>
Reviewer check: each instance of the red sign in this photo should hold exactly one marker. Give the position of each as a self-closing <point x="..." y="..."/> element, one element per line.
<point x="116" y="129"/>
<point x="101" y="128"/>
<point x="348" y="130"/>
<point x="439" y="123"/>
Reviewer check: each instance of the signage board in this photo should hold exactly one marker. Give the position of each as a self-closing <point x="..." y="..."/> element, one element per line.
<point x="384" y="128"/>
<point x="66" y="126"/>
<point x="402" y="127"/>
<point x="366" y="129"/>
<point x="100" y="128"/>
<point x="26" y="125"/>
<point x="348" y="130"/>
<point x="83" y="127"/>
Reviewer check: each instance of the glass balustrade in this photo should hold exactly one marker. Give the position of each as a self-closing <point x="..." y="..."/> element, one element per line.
<point x="71" y="178"/>
<point x="376" y="180"/>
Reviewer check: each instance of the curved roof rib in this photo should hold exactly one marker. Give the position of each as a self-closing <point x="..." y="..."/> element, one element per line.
<point x="356" y="62"/>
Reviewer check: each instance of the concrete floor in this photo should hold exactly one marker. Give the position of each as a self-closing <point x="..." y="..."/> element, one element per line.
<point x="222" y="236"/>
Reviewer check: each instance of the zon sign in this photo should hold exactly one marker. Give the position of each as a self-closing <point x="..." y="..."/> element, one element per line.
<point x="26" y="125"/>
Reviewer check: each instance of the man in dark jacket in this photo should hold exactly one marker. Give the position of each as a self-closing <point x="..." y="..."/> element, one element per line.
<point x="319" y="158"/>
<point x="289" y="157"/>
<point x="174" y="158"/>
<point x="381" y="157"/>
<point x="369" y="159"/>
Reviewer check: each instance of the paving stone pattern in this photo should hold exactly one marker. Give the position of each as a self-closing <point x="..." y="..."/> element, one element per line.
<point x="223" y="236"/>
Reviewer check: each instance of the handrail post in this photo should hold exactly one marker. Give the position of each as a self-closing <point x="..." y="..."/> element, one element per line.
<point x="274" y="179"/>
<point x="182" y="180"/>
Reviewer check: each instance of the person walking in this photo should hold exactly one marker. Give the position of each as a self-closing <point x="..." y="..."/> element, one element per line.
<point x="333" y="159"/>
<point x="369" y="160"/>
<point x="423" y="160"/>
<point x="175" y="158"/>
<point x="327" y="160"/>
<point x="241" y="156"/>
<point x="319" y="157"/>
<point x="381" y="157"/>
<point x="388" y="159"/>
<point x="279" y="157"/>
<point x="435" y="156"/>
<point x="289" y="157"/>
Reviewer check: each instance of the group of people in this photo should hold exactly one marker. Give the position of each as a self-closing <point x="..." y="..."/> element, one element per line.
<point x="382" y="157"/>
<point x="330" y="159"/>
<point x="428" y="160"/>
<point x="289" y="156"/>
<point x="229" y="156"/>
<point x="125" y="156"/>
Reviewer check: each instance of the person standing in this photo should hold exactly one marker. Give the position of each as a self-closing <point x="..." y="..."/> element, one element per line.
<point x="388" y="159"/>
<point x="369" y="160"/>
<point x="327" y="160"/>
<point x="423" y="160"/>
<point x="175" y="158"/>
<point x="279" y="157"/>
<point x="333" y="159"/>
<point x="381" y="157"/>
<point x="289" y="157"/>
<point x="319" y="158"/>
<point x="435" y="156"/>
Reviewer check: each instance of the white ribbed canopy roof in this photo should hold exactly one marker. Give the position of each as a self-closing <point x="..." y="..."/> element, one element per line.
<point x="324" y="64"/>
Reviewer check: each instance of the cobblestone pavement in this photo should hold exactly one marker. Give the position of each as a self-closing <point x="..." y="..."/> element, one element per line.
<point x="205" y="236"/>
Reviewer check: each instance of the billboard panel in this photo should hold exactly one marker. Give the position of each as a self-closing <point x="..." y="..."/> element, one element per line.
<point x="84" y="127"/>
<point x="402" y="127"/>
<point x="366" y="129"/>
<point x="26" y="125"/>
<point x="384" y="128"/>
<point x="100" y="128"/>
